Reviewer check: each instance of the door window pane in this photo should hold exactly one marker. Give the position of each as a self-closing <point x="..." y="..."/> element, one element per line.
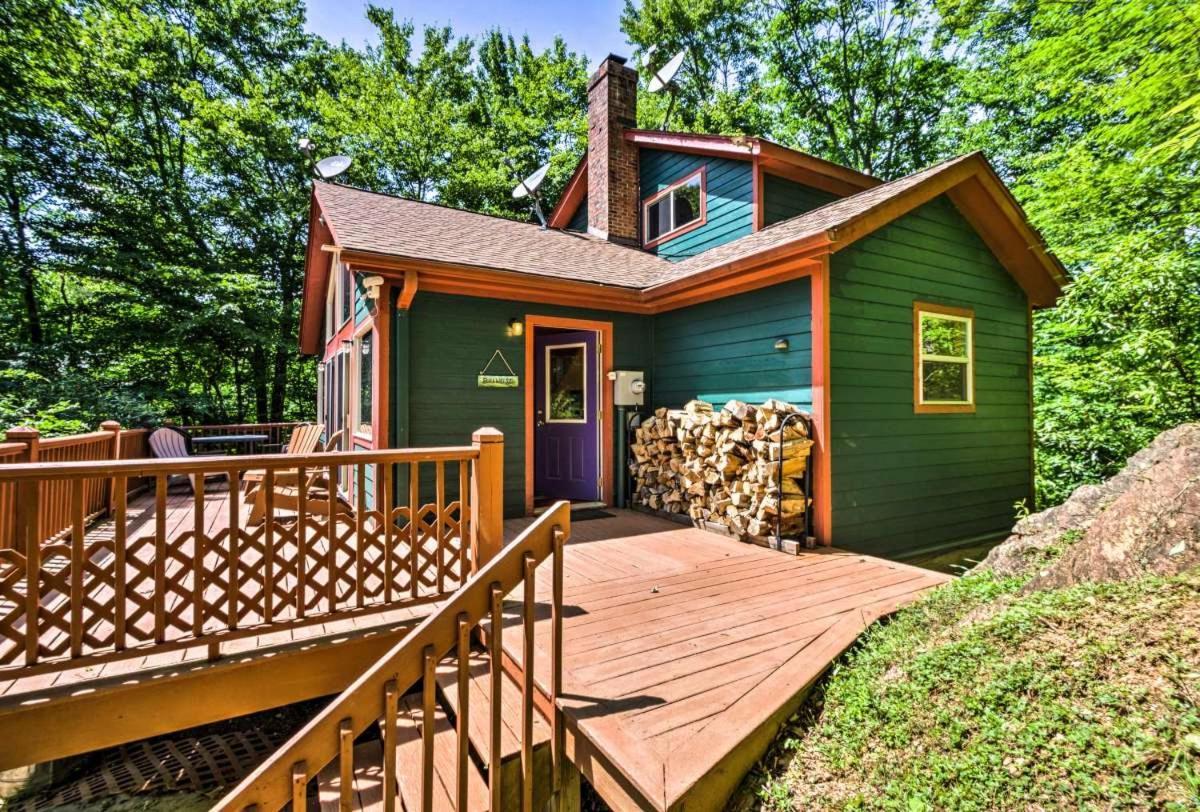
<point x="566" y="368"/>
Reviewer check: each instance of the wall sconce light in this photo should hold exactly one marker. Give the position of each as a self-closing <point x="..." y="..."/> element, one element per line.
<point x="516" y="327"/>
<point x="371" y="286"/>
<point x="782" y="344"/>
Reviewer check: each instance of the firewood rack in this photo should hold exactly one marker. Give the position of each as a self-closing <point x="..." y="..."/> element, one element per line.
<point x="809" y="539"/>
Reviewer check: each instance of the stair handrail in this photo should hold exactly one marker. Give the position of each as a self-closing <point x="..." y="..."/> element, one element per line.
<point x="284" y="776"/>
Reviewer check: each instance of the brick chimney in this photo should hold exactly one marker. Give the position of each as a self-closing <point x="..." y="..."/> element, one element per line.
<point x="612" y="166"/>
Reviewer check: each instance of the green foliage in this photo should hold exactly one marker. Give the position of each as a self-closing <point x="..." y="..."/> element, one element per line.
<point x="153" y="230"/>
<point x="720" y="86"/>
<point x="975" y="699"/>
<point x="1076" y="102"/>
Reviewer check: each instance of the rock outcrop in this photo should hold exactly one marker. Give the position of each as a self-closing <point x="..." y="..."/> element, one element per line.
<point x="1145" y="520"/>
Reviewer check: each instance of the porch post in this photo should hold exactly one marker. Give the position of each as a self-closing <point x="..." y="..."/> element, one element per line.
<point x="487" y="496"/>
<point x="115" y="427"/>
<point x="26" y="518"/>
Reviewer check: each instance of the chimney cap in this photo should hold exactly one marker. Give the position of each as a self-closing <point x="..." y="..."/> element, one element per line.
<point x="620" y="60"/>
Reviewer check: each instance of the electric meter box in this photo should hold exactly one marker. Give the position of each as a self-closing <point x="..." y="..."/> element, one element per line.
<point x="629" y="388"/>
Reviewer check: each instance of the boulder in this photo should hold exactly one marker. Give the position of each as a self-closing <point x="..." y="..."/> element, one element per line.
<point x="1145" y="520"/>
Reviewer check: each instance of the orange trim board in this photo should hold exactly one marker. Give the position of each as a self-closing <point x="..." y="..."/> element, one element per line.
<point x="607" y="413"/>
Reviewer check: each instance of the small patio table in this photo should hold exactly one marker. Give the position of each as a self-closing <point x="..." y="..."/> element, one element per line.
<point x="250" y="441"/>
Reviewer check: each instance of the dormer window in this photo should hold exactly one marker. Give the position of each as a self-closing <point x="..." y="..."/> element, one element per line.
<point x="675" y="210"/>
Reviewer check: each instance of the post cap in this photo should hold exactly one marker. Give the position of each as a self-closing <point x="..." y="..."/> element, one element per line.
<point x="488" y="434"/>
<point x="21" y="433"/>
<point x="110" y="425"/>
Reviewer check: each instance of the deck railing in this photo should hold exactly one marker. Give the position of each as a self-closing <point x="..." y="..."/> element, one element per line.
<point x="24" y="445"/>
<point x="179" y="569"/>
<point x="373" y="698"/>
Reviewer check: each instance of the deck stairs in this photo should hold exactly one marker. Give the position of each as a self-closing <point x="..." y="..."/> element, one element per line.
<point x="367" y="773"/>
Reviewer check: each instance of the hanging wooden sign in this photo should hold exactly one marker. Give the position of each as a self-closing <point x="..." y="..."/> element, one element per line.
<point x="487" y="381"/>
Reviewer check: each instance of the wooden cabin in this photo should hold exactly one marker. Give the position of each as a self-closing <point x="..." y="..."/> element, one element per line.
<point x="719" y="268"/>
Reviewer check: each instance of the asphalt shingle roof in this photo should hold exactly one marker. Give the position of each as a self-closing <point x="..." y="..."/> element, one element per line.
<point x="395" y="226"/>
<point x="383" y="224"/>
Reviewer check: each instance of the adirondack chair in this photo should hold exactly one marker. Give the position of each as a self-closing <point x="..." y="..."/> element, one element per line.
<point x="167" y="443"/>
<point x="287" y="482"/>
<point x="303" y="441"/>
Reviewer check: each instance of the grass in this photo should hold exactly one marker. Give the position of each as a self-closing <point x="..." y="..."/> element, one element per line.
<point x="977" y="698"/>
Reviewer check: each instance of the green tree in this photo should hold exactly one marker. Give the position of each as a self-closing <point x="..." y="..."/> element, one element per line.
<point x="1075" y="102"/>
<point x="720" y="84"/>
<point x="861" y="82"/>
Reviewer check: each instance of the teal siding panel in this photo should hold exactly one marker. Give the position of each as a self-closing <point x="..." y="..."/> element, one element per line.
<point x="726" y="349"/>
<point x="783" y="198"/>
<point x="903" y="482"/>
<point x="729" y="196"/>
<point x="450" y="339"/>
<point x="579" y="219"/>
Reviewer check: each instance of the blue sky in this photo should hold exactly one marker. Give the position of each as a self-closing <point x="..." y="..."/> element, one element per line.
<point x="591" y="26"/>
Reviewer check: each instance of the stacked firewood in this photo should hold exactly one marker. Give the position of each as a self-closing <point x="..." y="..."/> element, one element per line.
<point x="739" y="466"/>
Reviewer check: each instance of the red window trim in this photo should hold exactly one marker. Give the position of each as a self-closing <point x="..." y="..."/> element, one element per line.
<point x="701" y="220"/>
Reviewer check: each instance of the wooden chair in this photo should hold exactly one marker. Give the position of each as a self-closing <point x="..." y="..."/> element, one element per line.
<point x="168" y="444"/>
<point x="303" y="441"/>
<point x="287" y="489"/>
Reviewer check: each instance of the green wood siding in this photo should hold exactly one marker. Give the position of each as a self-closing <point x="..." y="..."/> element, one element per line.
<point x="729" y="191"/>
<point x="579" y="218"/>
<point x="904" y="482"/>
<point x="783" y="198"/>
<point x="726" y="349"/>
<point x="446" y="340"/>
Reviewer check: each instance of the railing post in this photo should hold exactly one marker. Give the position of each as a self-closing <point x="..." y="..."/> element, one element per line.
<point x="487" y="496"/>
<point x="115" y="427"/>
<point x="27" y="516"/>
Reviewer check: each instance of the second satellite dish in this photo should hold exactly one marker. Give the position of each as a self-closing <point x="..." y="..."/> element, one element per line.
<point x="531" y="184"/>
<point x="665" y="75"/>
<point x="529" y="188"/>
<point x="329" y="168"/>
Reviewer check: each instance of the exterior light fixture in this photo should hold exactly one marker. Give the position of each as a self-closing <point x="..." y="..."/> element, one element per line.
<point x="782" y="344"/>
<point x="516" y="327"/>
<point x="371" y="286"/>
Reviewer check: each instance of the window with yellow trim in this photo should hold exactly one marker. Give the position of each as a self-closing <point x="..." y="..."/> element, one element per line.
<point x="944" y="358"/>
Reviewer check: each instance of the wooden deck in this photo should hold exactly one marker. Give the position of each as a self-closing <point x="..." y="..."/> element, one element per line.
<point x="54" y="712"/>
<point x="685" y="650"/>
<point x="683" y="653"/>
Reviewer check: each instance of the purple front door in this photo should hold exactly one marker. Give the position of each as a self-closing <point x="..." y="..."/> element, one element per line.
<point x="566" y="416"/>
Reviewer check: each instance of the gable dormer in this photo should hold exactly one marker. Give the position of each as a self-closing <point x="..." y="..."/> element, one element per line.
<point x="680" y="194"/>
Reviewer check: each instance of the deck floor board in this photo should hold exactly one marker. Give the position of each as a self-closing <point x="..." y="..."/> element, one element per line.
<point x="680" y="644"/>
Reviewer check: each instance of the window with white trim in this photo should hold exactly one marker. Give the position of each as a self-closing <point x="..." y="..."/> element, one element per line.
<point x="943" y="358"/>
<point x="678" y="208"/>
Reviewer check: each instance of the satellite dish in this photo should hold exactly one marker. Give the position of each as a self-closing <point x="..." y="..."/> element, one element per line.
<point x="665" y="75"/>
<point x="647" y="55"/>
<point x="529" y="188"/>
<point x="329" y="168"/>
<point x="531" y="184"/>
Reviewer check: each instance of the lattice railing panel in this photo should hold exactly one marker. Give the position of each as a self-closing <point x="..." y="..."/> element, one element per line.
<point x="168" y="577"/>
